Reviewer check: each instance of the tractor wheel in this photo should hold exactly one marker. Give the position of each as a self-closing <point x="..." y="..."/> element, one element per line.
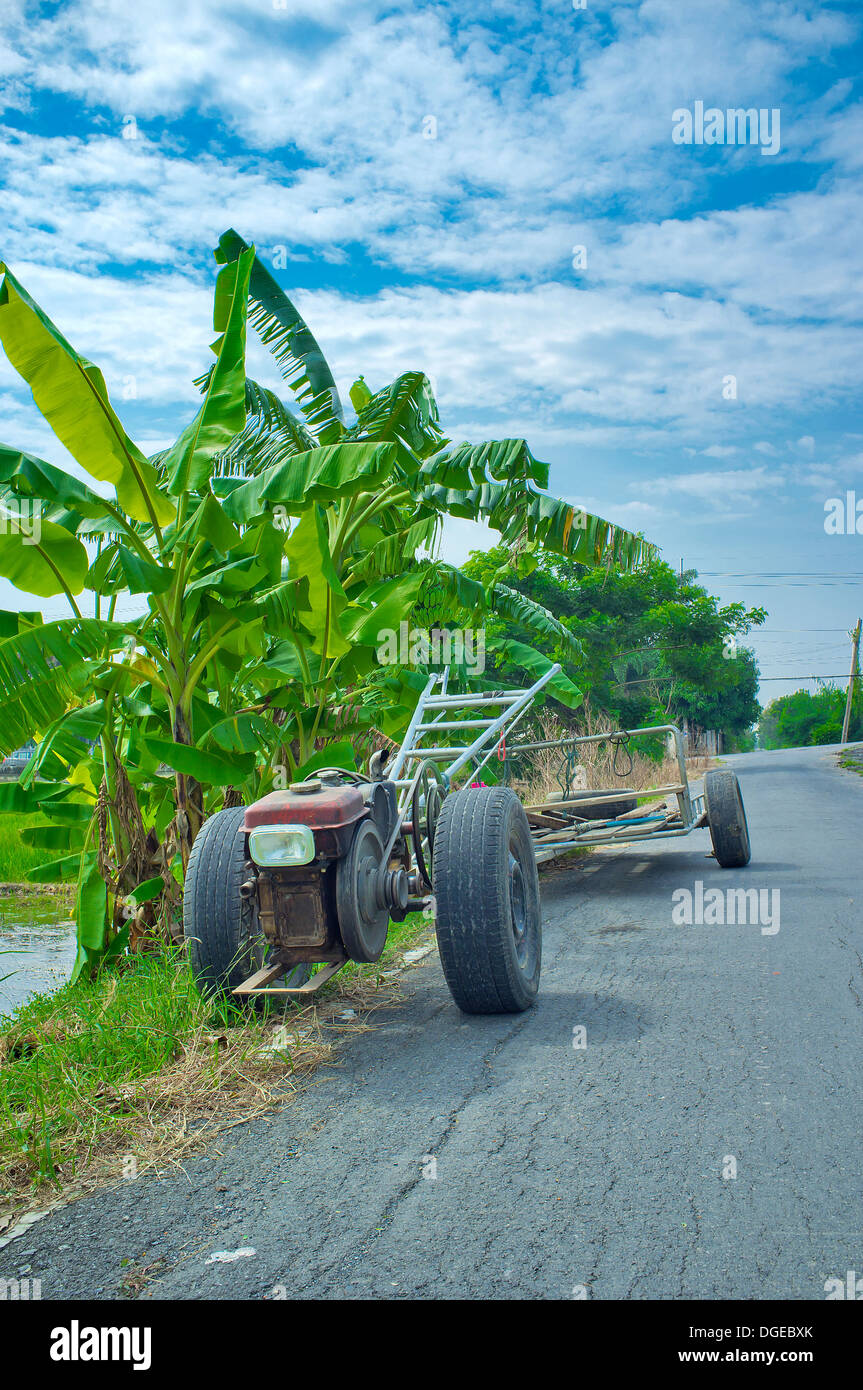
<point x="226" y="944"/>
<point x="489" y="922"/>
<point x="726" y="819"/>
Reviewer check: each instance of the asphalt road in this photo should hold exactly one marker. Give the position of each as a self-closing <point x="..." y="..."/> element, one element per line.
<point x="606" y="1168"/>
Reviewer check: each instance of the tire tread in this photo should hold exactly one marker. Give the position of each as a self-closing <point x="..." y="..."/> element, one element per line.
<point x="726" y="819"/>
<point x="472" y="897"/>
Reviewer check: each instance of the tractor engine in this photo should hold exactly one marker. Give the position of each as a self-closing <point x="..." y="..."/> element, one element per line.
<point x="330" y="867"/>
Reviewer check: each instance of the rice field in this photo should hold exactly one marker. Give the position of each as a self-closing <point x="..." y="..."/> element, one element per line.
<point x="16" y="857"/>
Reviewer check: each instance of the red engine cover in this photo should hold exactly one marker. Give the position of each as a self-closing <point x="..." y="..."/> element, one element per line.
<point x="327" y="809"/>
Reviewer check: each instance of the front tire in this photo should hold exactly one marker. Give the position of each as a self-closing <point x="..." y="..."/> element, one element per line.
<point x="726" y="819"/>
<point x="226" y="944"/>
<point x="489" y="920"/>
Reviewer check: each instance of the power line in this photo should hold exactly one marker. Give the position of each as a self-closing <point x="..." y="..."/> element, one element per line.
<point x="794" y="584"/>
<point x="781" y="574"/>
<point x="791" y="579"/>
<point x="649" y="680"/>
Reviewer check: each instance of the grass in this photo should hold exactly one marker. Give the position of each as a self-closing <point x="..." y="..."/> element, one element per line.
<point x="127" y="1074"/>
<point x="16" y="857"/>
<point x="852" y="763"/>
<point x="596" y="766"/>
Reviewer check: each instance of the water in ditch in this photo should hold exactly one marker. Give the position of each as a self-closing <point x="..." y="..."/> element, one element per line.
<point x="37" y="947"/>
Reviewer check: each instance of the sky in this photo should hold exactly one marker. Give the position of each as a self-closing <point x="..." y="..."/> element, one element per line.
<point x="502" y="195"/>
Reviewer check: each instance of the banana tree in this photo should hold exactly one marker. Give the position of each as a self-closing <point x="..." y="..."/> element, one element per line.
<point x="380" y="489"/>
<point x="270" y="547"/>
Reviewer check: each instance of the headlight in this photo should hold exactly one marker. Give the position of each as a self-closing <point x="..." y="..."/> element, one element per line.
<point x="281" y="846"/>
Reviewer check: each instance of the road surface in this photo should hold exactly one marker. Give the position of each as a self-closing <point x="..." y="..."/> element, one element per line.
<point x="704" y="1143"/>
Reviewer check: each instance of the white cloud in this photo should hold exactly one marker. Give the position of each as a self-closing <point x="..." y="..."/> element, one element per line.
<point x="569" y="369"/>
<point x="721" y="490"/>
<point x="302" y="127"/>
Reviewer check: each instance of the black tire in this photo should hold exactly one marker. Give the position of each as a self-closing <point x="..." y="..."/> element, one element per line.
<point x="600" y="809"/>
<point x="489" y="920"/>
<point x="726" y="819"/>
<point x="226" y="944"/>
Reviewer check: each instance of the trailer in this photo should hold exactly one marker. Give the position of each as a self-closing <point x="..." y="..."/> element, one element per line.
<point x="312" y="876"/>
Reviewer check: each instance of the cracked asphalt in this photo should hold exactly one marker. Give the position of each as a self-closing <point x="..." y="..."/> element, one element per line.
<point x="454" y="1157"/>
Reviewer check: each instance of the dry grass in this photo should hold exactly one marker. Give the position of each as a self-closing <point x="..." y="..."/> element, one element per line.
<point x="136" y="1073"/>
<point x="600" y="765"/>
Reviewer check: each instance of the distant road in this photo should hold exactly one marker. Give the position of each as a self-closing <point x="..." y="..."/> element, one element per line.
<point x="710" y="1050"/>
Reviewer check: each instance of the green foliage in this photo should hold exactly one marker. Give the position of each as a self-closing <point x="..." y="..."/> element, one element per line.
<point x="17" y="857"/>
<point x="744" y="742"/>
<point x="68" y="1054"/>
<point x="802" y="720"/>
<point x="654" y="646"/>
<point x="72" y="396"/>
<point x="725" y="698"/>
<point x="106" y="1066"/>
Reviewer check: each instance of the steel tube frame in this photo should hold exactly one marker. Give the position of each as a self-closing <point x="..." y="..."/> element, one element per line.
<point x="516" y="703"/>
<point x="691" y="809"/>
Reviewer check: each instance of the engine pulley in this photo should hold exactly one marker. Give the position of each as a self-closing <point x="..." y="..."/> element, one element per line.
<point x="361" y="895"/>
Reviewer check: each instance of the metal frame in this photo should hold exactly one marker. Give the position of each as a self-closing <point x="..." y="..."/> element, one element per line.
<point x="691" y="813"/>
<point x="549" y="842"/>
<point x="515" y="703"/>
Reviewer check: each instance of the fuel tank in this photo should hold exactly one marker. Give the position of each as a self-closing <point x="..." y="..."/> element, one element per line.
<point x="330" y="812"/>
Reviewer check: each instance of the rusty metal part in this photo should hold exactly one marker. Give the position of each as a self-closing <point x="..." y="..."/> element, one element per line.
<point x="323" y="808"/>
<point x="261" y="981"/>
<point x="292" y="907"/>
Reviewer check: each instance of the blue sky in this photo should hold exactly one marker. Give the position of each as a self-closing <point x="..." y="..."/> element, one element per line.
<point x="306" y="127"/>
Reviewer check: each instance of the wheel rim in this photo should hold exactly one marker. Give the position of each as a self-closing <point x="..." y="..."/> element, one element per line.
<point x="518" y="907"/>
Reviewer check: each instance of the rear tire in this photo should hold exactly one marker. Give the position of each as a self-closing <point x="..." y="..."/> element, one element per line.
<point x="489" y="920"/>
<point x="226" y="944"/>
<point x="727" y="819"/>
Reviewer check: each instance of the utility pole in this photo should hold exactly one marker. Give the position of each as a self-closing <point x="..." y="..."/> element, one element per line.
<point x="855" y="675"/>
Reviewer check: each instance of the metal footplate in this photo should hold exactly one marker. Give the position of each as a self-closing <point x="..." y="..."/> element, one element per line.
<point x="261" y="981"/>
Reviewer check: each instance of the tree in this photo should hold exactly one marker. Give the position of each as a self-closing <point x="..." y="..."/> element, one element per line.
<point x="271" y="548"/>
<point x="804" y="719"/>
<point x="727" y="703"/>
<point x="655" y="645"/>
